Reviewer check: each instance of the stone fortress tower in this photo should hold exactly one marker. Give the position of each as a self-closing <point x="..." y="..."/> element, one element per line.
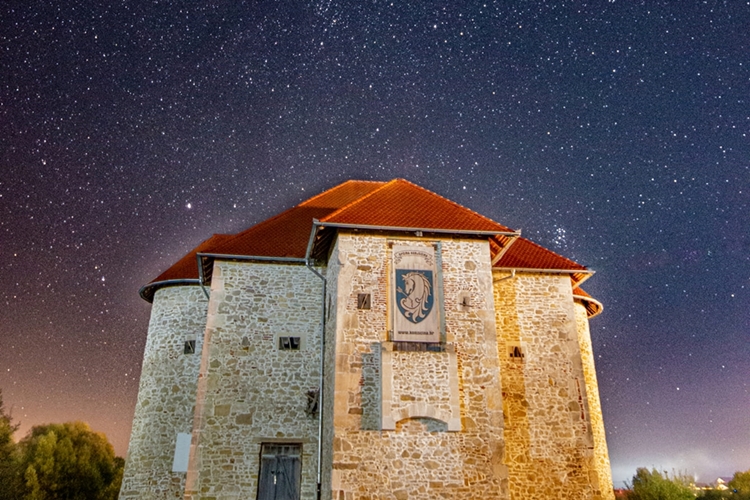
<point x="376" y="341"/>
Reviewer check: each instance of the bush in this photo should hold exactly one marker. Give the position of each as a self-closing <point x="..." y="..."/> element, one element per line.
<point x="652" y="485"/>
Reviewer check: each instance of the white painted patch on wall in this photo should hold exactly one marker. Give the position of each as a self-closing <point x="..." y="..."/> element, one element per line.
<point x="181" y="452"/>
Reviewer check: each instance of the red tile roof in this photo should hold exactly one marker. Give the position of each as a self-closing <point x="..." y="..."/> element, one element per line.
<point x="184" y="269"/>
<point x="284" y="235"/>
<point x="523" y="253"/>
<point x="394" y="204"/>
<point x="287" y="234"/>
<point x="187" y="267"/>
<point x="399" y="203"/>
<point x="343" y="194"/>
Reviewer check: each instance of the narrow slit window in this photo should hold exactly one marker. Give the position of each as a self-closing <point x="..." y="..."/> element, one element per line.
<point x="189" y="347"/>
<point x="363" y="301"/>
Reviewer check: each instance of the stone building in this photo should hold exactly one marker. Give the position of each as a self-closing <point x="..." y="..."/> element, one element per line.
<point x="376" y="341"/>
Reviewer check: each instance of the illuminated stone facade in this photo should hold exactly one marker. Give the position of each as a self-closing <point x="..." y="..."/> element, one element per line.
<point x="504" y="406"/>
<point x="548" y="392"/>
<point x="166" y="396"/>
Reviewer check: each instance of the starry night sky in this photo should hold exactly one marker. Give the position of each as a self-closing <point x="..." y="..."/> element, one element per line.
<point x="614" y="133"/>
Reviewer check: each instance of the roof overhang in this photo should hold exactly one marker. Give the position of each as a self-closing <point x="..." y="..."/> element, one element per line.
<point x="322" y="235"/>
<point x="147" y="292"/>
<point x="593" y="306"/>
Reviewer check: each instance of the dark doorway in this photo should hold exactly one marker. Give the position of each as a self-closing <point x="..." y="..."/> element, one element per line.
<point x="280" y="471"/>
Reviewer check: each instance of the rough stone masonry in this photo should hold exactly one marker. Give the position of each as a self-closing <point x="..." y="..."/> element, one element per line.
<point x="271" y="369"/>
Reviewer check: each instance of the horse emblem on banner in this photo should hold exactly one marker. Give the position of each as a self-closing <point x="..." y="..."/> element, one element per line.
<point x="415" y="299"/>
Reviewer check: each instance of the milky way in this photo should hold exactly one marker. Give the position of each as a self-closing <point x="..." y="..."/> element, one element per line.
<point x="615" y="133"/>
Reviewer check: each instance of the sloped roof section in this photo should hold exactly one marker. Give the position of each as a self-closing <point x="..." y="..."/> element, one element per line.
<point x="185" y="267"/>
<point x="287" y="234"/>
<point x="284" y="235"/>
<point x="183" y="270"/>
<point x="399" y="203"/>
<point x="525" y="254"/>
<point x="343" y="194"/>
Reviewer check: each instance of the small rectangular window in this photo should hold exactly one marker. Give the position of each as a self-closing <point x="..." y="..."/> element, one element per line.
<point x="289" y="343"/>
<point x="189" y="347"/>
<point x="363" y="301"/>
<point x="515" y="352"/>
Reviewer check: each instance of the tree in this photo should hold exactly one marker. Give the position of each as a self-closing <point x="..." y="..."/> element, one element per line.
<point x="69" y="461"/>
<point x="651" y="485"/>
<point x="9" y="478"/>
<point x="740" y="485"/>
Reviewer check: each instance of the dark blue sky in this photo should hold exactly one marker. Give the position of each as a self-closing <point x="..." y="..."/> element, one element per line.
<point x="615" y="133"/>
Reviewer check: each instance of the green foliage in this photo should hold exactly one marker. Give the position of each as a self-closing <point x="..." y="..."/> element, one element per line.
<point x="652" y="485"/>
<point x="9" y="458"/>
<point x="715" y="495"/>
<point x="58" y="461"/>
<point x="740" y="484"/>
<point x="69" y="461"/>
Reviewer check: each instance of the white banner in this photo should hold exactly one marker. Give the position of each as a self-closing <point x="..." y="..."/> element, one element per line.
<point x="416" y="306"/>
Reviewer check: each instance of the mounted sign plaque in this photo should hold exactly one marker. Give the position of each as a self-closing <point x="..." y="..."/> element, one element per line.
<point x="415" y="304"/>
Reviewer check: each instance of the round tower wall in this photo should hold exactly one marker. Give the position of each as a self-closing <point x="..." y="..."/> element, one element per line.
<point x="166" y="396"/>
<point x="601" y="456"/>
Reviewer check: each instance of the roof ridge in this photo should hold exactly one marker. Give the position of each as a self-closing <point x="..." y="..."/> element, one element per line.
<point x="360" y="199"/>
<point x="458" y="205"/>
<point x="337" y="186"/>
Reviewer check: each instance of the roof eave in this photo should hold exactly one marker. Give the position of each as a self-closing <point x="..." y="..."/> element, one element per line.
<point x="418" y="231"/>
<point x="593" y="307"/>
<point x="577" y="275"/>
<point x="148" y="291"/>
<point x="366" y="227"/>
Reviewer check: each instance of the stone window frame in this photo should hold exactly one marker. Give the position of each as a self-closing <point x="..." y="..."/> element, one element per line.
<point x="364" y="301"/>
<point x="190" y="346"/>
<point x="302" y="341"/>
<point x="516" y="352"/>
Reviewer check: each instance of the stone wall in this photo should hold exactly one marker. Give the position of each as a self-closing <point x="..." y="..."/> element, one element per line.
<point x="250" y="392"/>
<point x="419" y="384"/>
<point x="601" y="455"/>
<point x="549" y="442"/>
<point x="166" y="395"/>
<point x="507" y="408"/>
<point x="422" y="457"/>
